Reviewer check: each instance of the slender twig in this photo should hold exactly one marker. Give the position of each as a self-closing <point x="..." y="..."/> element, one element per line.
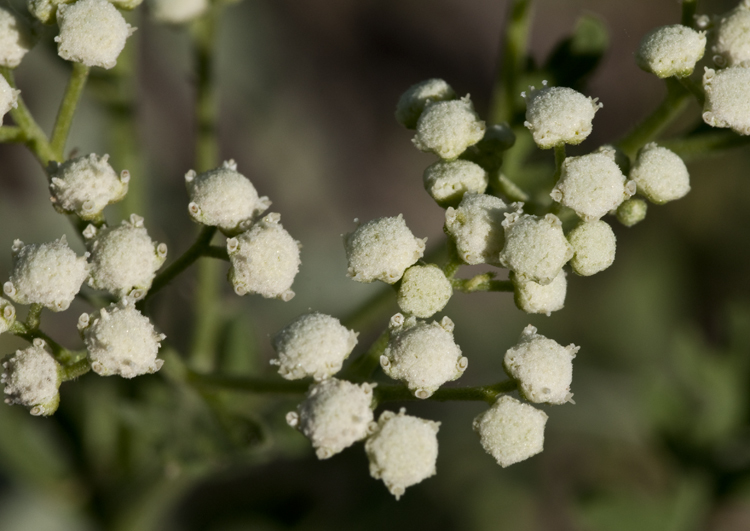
<point x="481" y="282"/>
<point x="33" y="318"/>
<point x="61" y="354"/>
<point x="65" y="114"/>
<point x="75" y="370"/>
<point x="12" y="133"/>
<point x="694" y="88"/>
<point x="486" y="393"/>
<point x="559" y="159"/>
<point x="216" y="251"/>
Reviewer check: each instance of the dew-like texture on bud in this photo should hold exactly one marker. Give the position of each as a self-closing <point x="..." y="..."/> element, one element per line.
<point x="32" y="378"/>
<point x="15" y="39"/>
<point x="422" y="355"/>
<point x="660" y="174"/>
<point x="121" y="341"/>
<point x="592" y="185"/>
<point x="424" y="291"/>
<point x="448" y="181"/>
<point x="632" y="211"/>
<point x="124" y="259"/>
<point x="49" y="274"/>
<point x="264" y="260"/>
<point x="403" y="451"/>
<point x="314" y="345"/>
<point x="92" y="32"/>
<point x="671" y="51"/>
<point x="177" y="11"/>
<point x="334" y="415"/>
<point x="382" y="249"/>
<point x="447" y="128"/>
<point x="8" y="98"/>
<point x="7" y="315"/>
<point x="85" y="185"/>
<point x="412" y="102"/>
<point x="731" y="37"/>
<point x="532" y="297"/>
<point x="559" y="115"/>
<point x="511" y="431"/>
<point x="594" y="245"/>
<point x="543" y="368"/>
<point x="535" y="248"/>
<point x="727" y="102"/>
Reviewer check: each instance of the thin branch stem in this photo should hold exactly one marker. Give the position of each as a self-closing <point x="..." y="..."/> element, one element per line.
<point x="12" y="133"/>
<point x="216" y="251"/>
<point x="486" y="393"/>
<point x="363" y="367"/>
<point x="61" y="354"/>
<point x="33" y="319"/>
<point x="559" y="159"/>
<point x="694" y="88"/>
<point x="75" y="370"/>
<point x="65" y="114"/>
<point x="707" y="144"/>
<point x="481" y="282"/>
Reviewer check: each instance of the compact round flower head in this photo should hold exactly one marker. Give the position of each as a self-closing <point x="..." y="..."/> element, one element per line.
<point x="120" y="340"/>
<point x="447" y="128"/>
<point x="334" y="415"/>
<point x="731" y="37"/>
<point x="543" y="368"/>
<point x="177" y="11"/>
<point x="7" y="315"/>
<point x="592" y="184"/>
<point x="85" y="185"/>
<point x="15" y="39"/>
<point x="264" y="260"/>
<point x="558" y="115"/>
<point x="632" y="211"/>
<point x="8" y="98"/>
<point x="660" y="174"/>
<point x="727" y="104"/>
<point x="535" y="248"/>
<point x="49" y="274"/>
<point x="382" y="249"/>
<point x="314" y="345"/>
<point x="422" y="355"/>
<point x="224" y="198"/>
<point x="412" y="102"/>
<point x="447" y="182"/>
<point x="511" y="431"/>
<point x="403" y="450"/>
<point x="124" y="259"/>
<point x="532" y="297"/>
<point x="594" y="244"/>
<point x="92" y="32"/>
<point x="671" y="51"/>
<point x="424" y="291"/>
<point x="32" y="378"/>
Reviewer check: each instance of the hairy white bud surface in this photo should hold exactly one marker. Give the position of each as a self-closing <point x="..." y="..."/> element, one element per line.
<point x="424" y="291"/>
<point x="422" y="355"/>
<point x="403" y="451"/>
<point x="15" y="39"/>
<point x="49" y="274"/>
<point x="731" y="37"/>
<point x="8" y="98"/>
<point x="511" y="431"/>
<point x="177" y="11"/>
<point x="448" y="181"/>
<point x="660" y="174"/>
<point x="32" y="378"/>
<point x="594" y="245"/>
<point x="120" y="340"/>
<point x="532" y="297"/>
<point x="559" y="115"/>
<point x="671" y="50"/>
<point x="412" y="102"/>
<point x="727" y="104"/>
<point x="447" y="128"/>
<point x="334" y="415"/>
<point x="632" y="211"/>
<point x="85" y="185"/>
<point x="7" y="315"/>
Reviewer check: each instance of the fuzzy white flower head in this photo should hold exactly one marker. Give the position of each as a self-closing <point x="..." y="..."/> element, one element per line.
<point x="334" y="415"/>
<point x="382" y="249"/>
<point x="731" y="37"/>
<point x="7" y="315"/>
<point x="8" y="98"/>
<point x="447" y="128"/>
<point x="85" y="185"/>
<point x="594" y="244"/>
<point x="660" y="174"/>
<point x="727" y="102"/>
<point x="448" y="181"/>
<point x="124" y="259"/>
<point x="49" y="274"/>
<point x="403" y="451"/>
<point x="15" y="39"/>
<point x="224" y="198"/>
<point x="532" y="297"/>
<point x="92" y="32"/>
<point x="264" y="260"/>
<point x="177" y="11"/>
<point x="535" y="248"/>
<point x="422" y="355"/>
<point x="314" y="345"/>
<point x="120" y="340"/>
<point x="559" y="115"/>
<point x="412" y="102"/>
<point x="671" y="50"/>
<point x="511" y="431"/>
<point x="424" y="291"/>
<point x="32" y="378"/>
<point x="632" y="211"/>
<point x="543" y="368"/>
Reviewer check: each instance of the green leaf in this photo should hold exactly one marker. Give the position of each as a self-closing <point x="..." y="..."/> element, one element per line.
<point x="576" y="57"/>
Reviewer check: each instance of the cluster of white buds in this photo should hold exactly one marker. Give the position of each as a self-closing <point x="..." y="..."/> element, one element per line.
<point x="32" y="378"/>
<point x="8" y="98"/>
<point x="671" y="51"/>
<point x="177" y="11"/>
<point x="15" y="39"/>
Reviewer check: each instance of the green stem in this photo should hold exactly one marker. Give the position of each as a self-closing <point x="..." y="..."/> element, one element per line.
<point x="216" y="251"/>
<point x="486" y="393"/>
<point x="272" y="385"/>
<point x="77" y="81"/>
<point x="695" y="89"/>
<point x="688" y="13"/>
<point x="481" y="282"/>
<point x="33" y="319"/>
<point x="363" y="367"/>
<point x="75" y="370"/>
<point x="61" y="354"/>
<point x="454" y="262"/>
<point x="12" y="133"/>
<point x="559" y="159"/>
<point x="707" y="144"/>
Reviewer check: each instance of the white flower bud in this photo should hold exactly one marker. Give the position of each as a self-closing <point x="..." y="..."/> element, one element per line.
<point x="49" y="274"/>
<point x="8" y="98"/>
<point x="92" y="32"/>
<point x="264" y="260"/>
<point x="511" y="431"/>
<point x="382" y="249"/>
<point x="422" y="355"/>
<point x="32" y="378"/>
<point x="85" y="185"/>
<point x="177" y="11"/>
<point x="413" y="101"/>
<point x="543" y="368"/>
<point x="594" y="245"/>
<point x="727" y="103"/>
<point x="447" y="128"/>
<point x="731" y="37"/>
<point x="314" y="345"/>
<point x="45" y="10"/>
<point x="424" y="291"/>
<point x="532" y="297"/>
<point x="559" y="115"/>
<point x="632" y="211"/>
<point x="671" y="50"/>
<point x="126" y="5"/>
<point x="120" y="340"/>
<point x="403" y="451"/>
<point x="15" y="39"/>
<point x="7" y="315"/>
<point x="660" y="174"/>
<point x="334" y="415"/>
<point x="447" y="182"/>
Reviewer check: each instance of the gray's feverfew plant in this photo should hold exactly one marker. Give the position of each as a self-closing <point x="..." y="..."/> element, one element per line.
<point x="537" y="234"/>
